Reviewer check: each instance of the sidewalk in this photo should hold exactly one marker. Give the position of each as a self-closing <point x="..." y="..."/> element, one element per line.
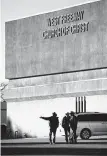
<point x="41" y="146"/>
<point x="60" y="140"/>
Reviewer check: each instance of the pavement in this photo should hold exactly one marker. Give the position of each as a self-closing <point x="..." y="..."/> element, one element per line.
<point x="61" y="140"/>
<point x="40" y="146"/>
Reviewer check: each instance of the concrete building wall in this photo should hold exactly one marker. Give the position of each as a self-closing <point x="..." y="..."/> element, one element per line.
<point x="58" y="54"/>
<point x="68" y="40"/>
<point x="43" y="61"/>
<point x="71" y="84"/>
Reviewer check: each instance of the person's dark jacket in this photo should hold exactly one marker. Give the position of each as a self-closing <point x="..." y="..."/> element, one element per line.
<point x="53" y="121"/>
<point x="65" y="122"/>
<point x="73" y="122"/>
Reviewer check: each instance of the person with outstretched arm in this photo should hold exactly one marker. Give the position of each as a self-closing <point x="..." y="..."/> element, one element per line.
<point x="53" y="124"/>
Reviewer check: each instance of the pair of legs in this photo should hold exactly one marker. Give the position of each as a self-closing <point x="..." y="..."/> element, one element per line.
<point x="52" y="131"/>
<point x="67" y="133"/>
<point x="75" y="136"/>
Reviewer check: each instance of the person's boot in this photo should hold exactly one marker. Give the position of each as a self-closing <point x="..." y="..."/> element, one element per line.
<point x="66" y="141"/>
<point x="51" y="142"/>
<point x="50" y="139"/>
<point x="54" y="140"/>
<point x="75" y="140"/>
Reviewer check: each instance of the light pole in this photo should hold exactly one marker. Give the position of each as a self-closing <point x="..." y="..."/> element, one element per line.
<point x="3" y="84"/>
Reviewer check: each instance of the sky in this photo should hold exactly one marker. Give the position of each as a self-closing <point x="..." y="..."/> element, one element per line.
<point x="28" y="120"/>
<point x="15" y="9"/>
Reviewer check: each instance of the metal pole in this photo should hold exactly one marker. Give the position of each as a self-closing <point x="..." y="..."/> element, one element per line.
<point x="76" y="105"/>
<point x="81" y="104"/>
<point x="84" y="104"/>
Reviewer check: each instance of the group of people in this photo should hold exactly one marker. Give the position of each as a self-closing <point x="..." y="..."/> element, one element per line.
<point x="69" y="123"/>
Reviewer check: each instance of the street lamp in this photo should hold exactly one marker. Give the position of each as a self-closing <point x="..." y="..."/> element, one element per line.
<point x="3" y="84"/>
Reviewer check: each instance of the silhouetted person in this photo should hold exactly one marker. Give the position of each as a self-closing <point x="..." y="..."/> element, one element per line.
<point x="73" y="124"/>
<point x="66" y="126"/>
<point x="53" y="123"/>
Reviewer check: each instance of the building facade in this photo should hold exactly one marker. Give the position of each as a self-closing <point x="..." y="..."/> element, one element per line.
<point x="57" y="54"/>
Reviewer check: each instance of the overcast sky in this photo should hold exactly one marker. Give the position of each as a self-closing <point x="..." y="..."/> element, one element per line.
<point x="30" y="111"/>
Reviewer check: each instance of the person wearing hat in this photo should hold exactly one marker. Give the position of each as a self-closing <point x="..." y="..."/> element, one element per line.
<point x="73" y="124"/>
<point x="66" y="126"/>
<point x="53" y="124"/>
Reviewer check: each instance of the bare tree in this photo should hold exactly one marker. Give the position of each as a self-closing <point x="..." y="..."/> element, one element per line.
<point x="3" y="84"/>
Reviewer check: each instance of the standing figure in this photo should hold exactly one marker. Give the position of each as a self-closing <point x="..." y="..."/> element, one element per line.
<point x="53" y="124"/>
<point x="73" y="125"/>
<point x="66" y="126"/>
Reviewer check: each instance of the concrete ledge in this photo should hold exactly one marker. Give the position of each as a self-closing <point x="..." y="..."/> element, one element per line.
<point x="52" y="90"/>
<point x="59" y="78"/>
